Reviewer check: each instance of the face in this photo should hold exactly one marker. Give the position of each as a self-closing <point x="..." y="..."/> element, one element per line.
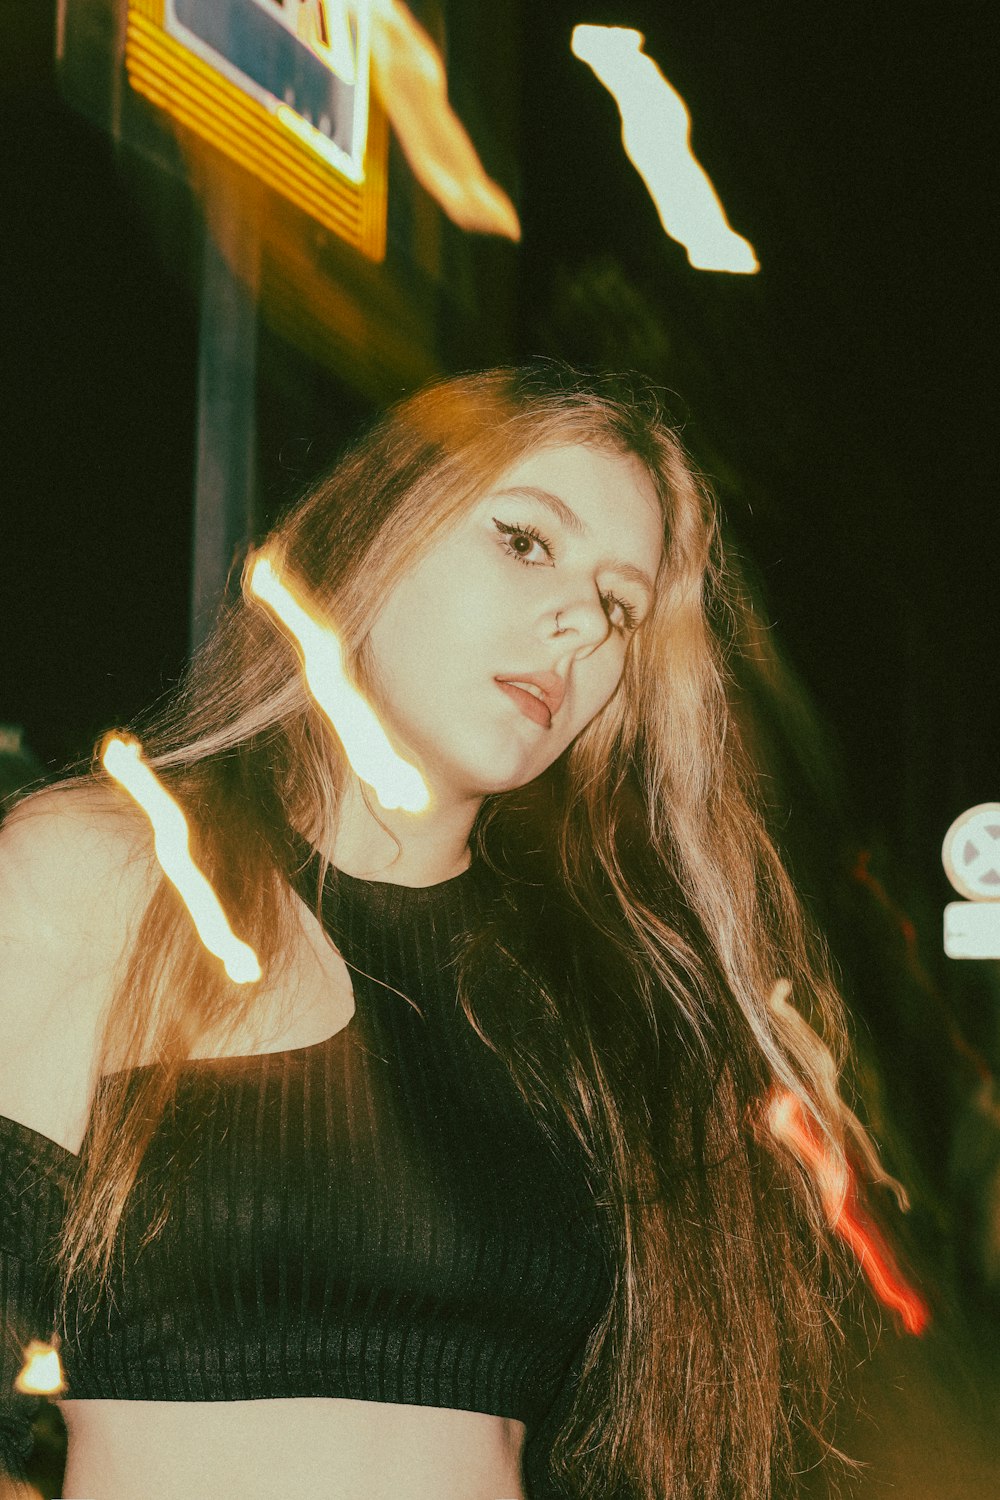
<point x="566" y="531"/>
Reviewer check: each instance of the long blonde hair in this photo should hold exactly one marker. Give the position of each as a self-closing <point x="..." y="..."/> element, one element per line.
<point x="668" y="919"/>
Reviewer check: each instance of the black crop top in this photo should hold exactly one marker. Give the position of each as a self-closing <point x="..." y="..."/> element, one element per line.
<point x="376" y="1216"/>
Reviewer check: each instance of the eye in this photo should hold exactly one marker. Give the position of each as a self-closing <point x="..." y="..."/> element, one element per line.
<point x="529" y="533"/>
<point x="628" y="613"/>
<point x="526" y="532"/>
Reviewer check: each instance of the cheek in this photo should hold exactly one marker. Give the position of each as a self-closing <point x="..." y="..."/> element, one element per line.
<point x="408" y="621"/>
<point x="595" y="695"/>
<point x="442" y="596"/>
<point x="425" y="634"/>
<point x="608" y="677"/>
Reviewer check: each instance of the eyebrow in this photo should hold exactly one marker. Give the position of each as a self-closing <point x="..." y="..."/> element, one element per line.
<point x="572" y="523"/>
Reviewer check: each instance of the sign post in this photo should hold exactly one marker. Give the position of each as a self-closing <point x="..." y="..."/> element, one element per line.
<point x="225" y="436"/>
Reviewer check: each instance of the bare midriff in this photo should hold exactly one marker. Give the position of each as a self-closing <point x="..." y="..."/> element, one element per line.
<point x="315" y="1448"/>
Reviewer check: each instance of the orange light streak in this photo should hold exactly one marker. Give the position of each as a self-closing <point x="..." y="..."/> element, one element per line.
<point x="656" y="134"/>
<point x="42" y="1372"/>
<point x="395" y="782"/>
<point x="825" y="1072"/>
<point x="412" y="84"/>
<point x="839" y="1195"/>
<point x="121" y="758"/>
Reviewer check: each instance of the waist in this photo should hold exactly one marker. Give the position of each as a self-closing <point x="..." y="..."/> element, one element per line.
<point x="341" y="1449"/>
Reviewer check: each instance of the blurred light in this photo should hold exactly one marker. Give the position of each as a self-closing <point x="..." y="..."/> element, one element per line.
<point x="121" y="759"/>
<point x="396" y="783"/>
<point x="412" y="85"/>
<point x="656" y="132"/>
<point x="42" y="1373"/>
<point x="838" y="1194"/>
<point x="829" y="1172"/>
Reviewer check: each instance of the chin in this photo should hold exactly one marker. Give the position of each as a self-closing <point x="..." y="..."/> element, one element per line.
<point x="473" y="763"/>
<point x="491" y="783"/>
<point x="504" y="774"/>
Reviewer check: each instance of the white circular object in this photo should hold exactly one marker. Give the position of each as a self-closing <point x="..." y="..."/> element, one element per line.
<point x="971" y="853"/>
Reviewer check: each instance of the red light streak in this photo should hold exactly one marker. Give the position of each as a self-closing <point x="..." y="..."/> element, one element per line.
<point x="838" y="1191"/>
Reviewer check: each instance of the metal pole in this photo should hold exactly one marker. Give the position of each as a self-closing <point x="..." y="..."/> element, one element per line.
<point x="226" y="425"/>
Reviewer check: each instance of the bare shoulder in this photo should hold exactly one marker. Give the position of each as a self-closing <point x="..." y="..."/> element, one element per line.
<point x="73" y="857"/>
<point x="76" y="872"/>
<point x="83" y="810"/>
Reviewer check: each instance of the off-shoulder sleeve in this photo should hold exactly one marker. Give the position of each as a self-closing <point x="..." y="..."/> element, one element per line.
<point x="32" y="1202"/>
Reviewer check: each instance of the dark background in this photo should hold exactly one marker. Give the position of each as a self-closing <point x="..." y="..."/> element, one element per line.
<point x="841" y="401"/>
<point x="849" y="386"/>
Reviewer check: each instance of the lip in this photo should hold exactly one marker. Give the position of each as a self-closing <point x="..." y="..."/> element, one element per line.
<point x="530" y="706"/>
<point x="550" y="685"/>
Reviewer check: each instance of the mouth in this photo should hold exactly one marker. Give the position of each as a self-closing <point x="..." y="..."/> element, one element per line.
<point x="532" y="707"/>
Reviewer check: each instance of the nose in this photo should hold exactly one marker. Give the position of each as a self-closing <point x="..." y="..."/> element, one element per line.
<point x="586" y="618"/>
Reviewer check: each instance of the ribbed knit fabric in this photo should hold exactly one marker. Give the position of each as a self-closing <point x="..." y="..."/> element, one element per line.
<point x="376" y="1216"/>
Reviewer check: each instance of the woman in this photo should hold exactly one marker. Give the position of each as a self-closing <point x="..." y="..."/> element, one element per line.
<point x="472" y="1195"/>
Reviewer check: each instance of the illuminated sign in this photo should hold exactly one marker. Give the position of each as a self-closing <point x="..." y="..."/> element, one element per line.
<point x="282" y="88"/>
<point x="971" y="859"/>
<point x="305" y="63"/>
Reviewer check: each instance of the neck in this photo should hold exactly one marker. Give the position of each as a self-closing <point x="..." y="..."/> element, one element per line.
<point x="432" y="846"/>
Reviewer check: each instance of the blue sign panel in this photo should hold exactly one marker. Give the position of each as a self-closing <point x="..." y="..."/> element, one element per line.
<point x="306" y="62"/>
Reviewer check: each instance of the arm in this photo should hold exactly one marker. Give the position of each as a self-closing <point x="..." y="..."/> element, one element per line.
<point x="65" y="893"/>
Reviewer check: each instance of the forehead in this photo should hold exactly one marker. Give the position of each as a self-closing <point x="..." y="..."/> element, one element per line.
<point x="607" y="490"/>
